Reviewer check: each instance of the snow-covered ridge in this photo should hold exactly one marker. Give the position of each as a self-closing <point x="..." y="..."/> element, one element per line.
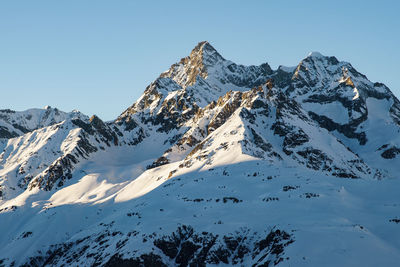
<point x="15" y="123"/>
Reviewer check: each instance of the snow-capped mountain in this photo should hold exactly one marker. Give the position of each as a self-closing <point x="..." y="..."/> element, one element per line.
<point x="215" y="164"/>
<point x="16" y="123"/>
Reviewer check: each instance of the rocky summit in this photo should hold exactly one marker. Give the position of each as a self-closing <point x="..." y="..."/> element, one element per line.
<point x="215" y="164"/>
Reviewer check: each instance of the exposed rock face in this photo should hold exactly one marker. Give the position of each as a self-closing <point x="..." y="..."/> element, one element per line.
<point x="177" y="99"/>
<point x="189" y="68"/>
<point x="204" y="59"/>
<point x="184" y="247"/>
<point x="390" y="153"/>
<point x="194" y="98"/>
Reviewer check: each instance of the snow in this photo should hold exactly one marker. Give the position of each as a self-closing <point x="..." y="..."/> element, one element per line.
<point x="33" y="119"/>
<point x="356" y="94"/>
<point x="344" y="213"/>
<point x="287" y="69"/>
<point x="91" y="188"/>
<point x="315" y="55"/>
<point x="335" y="111"/>
<point x="229" y="185"/>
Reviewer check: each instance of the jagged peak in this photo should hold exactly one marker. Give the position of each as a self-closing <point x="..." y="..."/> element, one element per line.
<point x="330" y="65"/>
<point x="205" y="53"/>
<point x="315" y="54"/>
<point x="204" y="47"/>
<point x="186" y="71"/>
<point x="39" y="112"/>
<point x="318" y="57"/>
<point x="318" y="64"/>
<point x="94" y="118"/>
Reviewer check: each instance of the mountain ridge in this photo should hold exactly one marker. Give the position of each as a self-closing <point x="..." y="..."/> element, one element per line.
<point x="288" y="149"/>
<point x="173" y="99"/>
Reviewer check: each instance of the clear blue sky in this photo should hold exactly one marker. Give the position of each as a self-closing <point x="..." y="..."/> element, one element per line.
<point x="98" y="56"/>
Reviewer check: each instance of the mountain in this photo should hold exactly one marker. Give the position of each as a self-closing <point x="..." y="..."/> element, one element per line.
<point x="215" y="164"/>
<point x="16" y="123"/>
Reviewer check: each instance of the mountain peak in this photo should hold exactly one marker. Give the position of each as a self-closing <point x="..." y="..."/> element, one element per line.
<point x="213" y="139"/>
<point x="315" y="54"/>
<point x="205" y="53"/>
<point x="196" y="64"/>
<point x="204" y="46"/>
<point x="201" y="45"/>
